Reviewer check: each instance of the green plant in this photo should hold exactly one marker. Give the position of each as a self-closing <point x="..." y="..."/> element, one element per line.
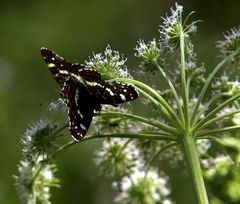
<point x="189" y="117"/>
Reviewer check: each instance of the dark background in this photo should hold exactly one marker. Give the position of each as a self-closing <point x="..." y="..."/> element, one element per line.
<point x="75" y="29"/>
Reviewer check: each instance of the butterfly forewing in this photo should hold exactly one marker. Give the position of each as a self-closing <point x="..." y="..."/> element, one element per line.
<point x="92" y="80"/>
<point x="56" y="64"/>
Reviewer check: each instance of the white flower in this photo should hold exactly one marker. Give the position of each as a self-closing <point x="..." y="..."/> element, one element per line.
<point x="231" y="43"/>
<point x="110" y="64"/>
<point x="150" y="187"/>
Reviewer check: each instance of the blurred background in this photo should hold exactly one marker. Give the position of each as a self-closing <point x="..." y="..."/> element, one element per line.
<point x="74" y="29"/>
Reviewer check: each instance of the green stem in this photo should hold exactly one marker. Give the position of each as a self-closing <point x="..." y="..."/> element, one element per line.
<point x="159" y="133"/>
<point x="124" y="146"/>
<point x="214" y="111"/>
<point x="152" y="122"/>
<point x="205" y="107"/>
<point x="156" y="103"/>
<point x="220" y="118"/>
<point x="193" y="164"/>
<point x="208" y="137"/>
<point x="183" y="81"/>
<point x="110" y="135"/>
<point x="148" y="165"/>
<point x="158" y="97"/>
<point x="174" y="92"/>
<point x="208" y="82"/>
<point x="217" y="131"/>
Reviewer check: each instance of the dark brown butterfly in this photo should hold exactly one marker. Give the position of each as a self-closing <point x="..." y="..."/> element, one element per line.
<point x="84" y="91"/>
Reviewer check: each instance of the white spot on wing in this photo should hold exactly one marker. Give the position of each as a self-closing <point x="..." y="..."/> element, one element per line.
<point x="63" y="72"/>
<point x="83" y="127"/>
<point x="122" y="97"/>
<point x="51" y="65"/>
<point x="110" y="91"/>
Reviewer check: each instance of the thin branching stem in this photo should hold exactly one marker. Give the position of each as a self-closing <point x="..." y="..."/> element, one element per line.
<point x="158" y="97"/>
<point x="160" y="133"/>
<point x="124" y="146"/>
<point x="218" y="131"/>
<point x="152" y="122"/>
<point x="208" y="82"/>
<point x="206" y="106"/>
<point x="214" y="111"/>
<point x="174" y="92"/>
<point x="156" y="103"/>
<point x="220" y="118"/>
<point x="150" y="161"/>
<point x="110" y="135"/>
<point x="208" y="137"/>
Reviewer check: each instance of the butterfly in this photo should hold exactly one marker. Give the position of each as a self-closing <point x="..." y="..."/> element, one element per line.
<point x="84" y="91"/>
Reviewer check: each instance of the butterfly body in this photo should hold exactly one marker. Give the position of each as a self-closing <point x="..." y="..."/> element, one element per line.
<point x="84" y="91"/>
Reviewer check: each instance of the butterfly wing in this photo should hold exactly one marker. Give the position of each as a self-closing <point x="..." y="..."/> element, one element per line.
<point x="84" y="91"/>
<point x="80" y="108"/>
<point x="115" y="93"/>
<point x="92" y="80"/>
<point x="61" y="68"/>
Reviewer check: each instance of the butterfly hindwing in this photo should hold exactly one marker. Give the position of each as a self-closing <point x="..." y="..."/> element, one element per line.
<point x="80" y="108"/>
<point x="115" y="93"/>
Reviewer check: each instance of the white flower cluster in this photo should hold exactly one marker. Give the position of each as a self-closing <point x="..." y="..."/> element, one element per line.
<point x="215" y="165"/>
<point x="141" y="188"/>
<point x="173" y="26"/>
<point x="110" y="64"/>
<point x="118" y="157"/>
<point x="149" y="50"/>
<point x="150" y="54"/>
<point x="231" y="43"/>
<point x="37" y="141"/>
<point x="203" y="146"/>
<point x="121" y="160"/>
<point x="34" y="181"/>
<point x="36" y="171"/>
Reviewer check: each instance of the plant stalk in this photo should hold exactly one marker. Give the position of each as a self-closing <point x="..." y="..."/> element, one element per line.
<point x="194" y="168"/>
<point x="185" y="92"/>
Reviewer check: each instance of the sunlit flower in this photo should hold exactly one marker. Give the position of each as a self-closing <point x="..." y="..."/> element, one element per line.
<point x="110" y="64"/>
<point x="174" y="26"/>
<point x="140" y="188"/>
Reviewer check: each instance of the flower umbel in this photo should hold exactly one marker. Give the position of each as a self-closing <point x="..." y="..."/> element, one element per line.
<point x="150" y="54"/>
<point x="38" y="140"/>
<point x="174" y="26"/>
<point x="110" y="64"/>
<point x="231" y="43"/>
<point x="34" y="181"/>
<point x="141" y="189"/>
<point x="118" y="158"/>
